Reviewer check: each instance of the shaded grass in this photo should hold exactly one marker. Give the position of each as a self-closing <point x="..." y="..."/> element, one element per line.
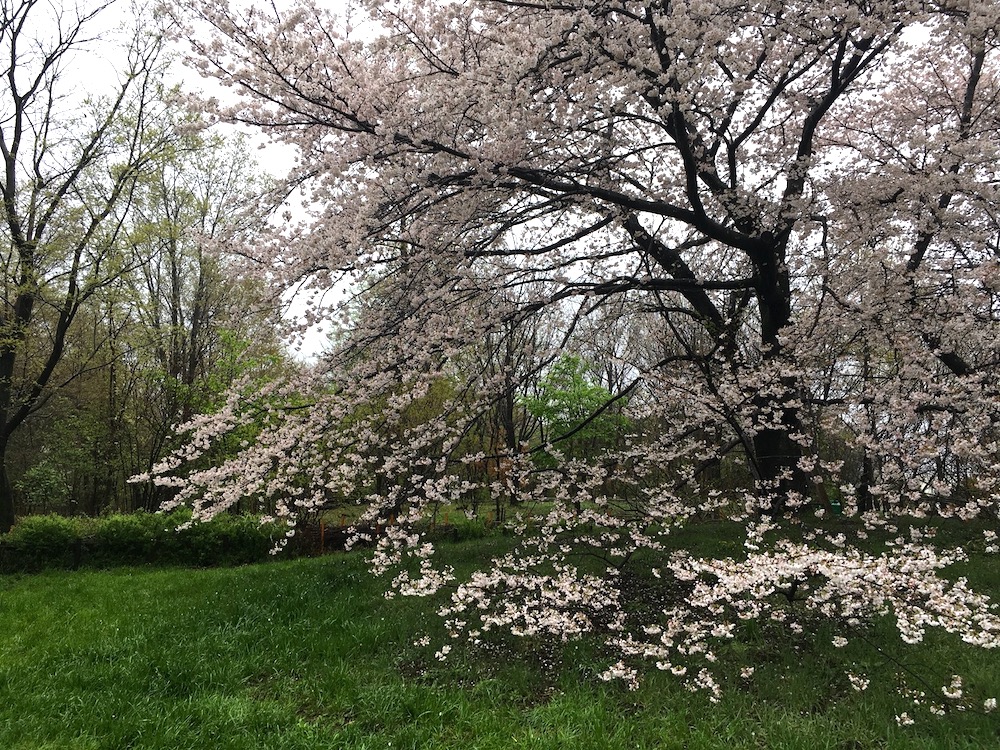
<point x="308" y="654"/>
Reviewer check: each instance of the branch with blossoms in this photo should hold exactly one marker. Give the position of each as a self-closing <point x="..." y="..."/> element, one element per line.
<point x="796" y="585"/>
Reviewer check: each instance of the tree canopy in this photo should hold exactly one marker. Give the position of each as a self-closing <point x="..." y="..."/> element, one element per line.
<point x="120" y="310"/>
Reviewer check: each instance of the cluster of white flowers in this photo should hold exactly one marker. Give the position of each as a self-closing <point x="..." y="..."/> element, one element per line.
<point x="953" y="691"/>
<point x="620" y="671"/>
<point x="991" y="541"/>
<point x="858" y="682"/>
<point x="562" y="605"/>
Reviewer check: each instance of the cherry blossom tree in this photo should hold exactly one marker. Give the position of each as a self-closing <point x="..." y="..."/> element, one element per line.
<point x="795" y="201"/>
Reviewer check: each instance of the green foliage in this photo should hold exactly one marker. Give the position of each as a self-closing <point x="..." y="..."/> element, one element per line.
<point x="64" y="451"/>
<point x="44" y="486"/>
<point x="162" y="332"/>
<point x="38" y="542"/>
<point x="134" y="538"/>
<point x="44" y="542"/>
<point x="569" y="404"/>
<point x="226" y="540"/>
<point x="236" y="357"/>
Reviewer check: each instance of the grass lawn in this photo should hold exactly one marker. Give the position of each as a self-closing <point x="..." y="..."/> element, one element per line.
<point x="307" y="654"/>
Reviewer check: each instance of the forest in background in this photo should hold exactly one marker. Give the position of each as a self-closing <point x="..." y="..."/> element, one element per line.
<point x="133" y="301"/>
<point x="126" y="307"/>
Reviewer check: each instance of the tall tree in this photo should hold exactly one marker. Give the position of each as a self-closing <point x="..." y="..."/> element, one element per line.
<point x="69" y="164"/>
<point x="798" y="197"/>
<point x="163" y="340"/>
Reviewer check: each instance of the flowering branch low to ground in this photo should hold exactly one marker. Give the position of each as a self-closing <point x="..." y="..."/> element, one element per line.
<point x="682" y="613"/>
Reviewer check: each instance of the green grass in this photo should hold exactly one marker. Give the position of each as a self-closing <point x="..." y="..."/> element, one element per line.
<point x="308" y="654"/>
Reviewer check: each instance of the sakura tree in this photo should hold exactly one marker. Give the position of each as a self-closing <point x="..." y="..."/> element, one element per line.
<point x="787" y="209"/>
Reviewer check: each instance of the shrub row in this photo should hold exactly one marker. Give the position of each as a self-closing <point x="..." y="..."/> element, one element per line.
<point x="60" y="542"/>
<point x="41" y="542"/>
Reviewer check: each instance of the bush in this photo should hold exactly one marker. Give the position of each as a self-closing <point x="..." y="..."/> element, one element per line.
<point x="127" y="539"/>
<point x="226" y="540"/>
<point x="39" y="542"/>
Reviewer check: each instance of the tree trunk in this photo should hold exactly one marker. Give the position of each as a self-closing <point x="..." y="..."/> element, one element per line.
<point x="866" y="501"/>
<point x="777" y="459"/>
<point x="7" y="517"/>
<point x="776" y="454"/>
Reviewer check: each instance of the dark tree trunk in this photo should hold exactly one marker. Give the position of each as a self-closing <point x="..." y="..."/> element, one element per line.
<point x="866" y="501"/>
<point x="777" y="459"/>
<point x="7" y="516"/>
<point x="776" y="454"/>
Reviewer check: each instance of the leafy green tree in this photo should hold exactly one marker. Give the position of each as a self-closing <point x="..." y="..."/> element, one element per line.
<point x="196" y="323"/>
<point x="577" y="416"/>
<point x="159" y="341"/>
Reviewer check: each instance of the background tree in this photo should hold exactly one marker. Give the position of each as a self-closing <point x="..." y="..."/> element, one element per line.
<point x="163" y="341"/>
<point x="68" y="168"/>
<point x="194" y="317"/>
<point x="574" y="412"/>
